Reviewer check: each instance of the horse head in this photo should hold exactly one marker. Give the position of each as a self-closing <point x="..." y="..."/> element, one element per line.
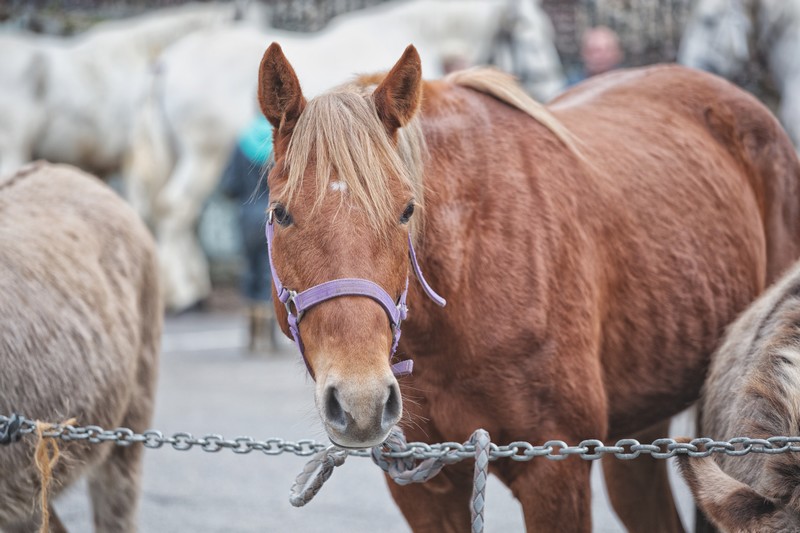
<point x="717" y="38"/>
<point x="343" y="192"/>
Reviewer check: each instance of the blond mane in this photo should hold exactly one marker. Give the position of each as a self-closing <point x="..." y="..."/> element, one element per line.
<point x="505" y="88"/>
<point x="339" y="132"/>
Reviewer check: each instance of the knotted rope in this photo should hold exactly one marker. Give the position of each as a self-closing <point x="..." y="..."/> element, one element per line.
<point x="402" y="469"/>
<point x="477" y="505"/>
<point x="45" y="457"/>
<point x="326" y="460"/>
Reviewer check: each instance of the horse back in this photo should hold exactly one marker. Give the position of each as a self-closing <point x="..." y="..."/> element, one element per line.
<point x="742" y="129"/>
<point x="711" y="181"/>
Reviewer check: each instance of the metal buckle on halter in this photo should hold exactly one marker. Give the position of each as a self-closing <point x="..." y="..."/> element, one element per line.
<point x="402" y="313"/>
<point x="270" y="214"/>
<point x="290" y="300"/>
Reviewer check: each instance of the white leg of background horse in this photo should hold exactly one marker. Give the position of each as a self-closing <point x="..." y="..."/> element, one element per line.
<point x="23" y="81"/>
<point x="12" y="160"/>
<point x="149" y="161"/>
<point x="789" y="112"/>
<point x="783" y="17"/>
<point x="184" y="267"/>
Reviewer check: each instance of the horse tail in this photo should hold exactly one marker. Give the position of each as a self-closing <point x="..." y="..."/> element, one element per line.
<point x="755" y="138"/>
<point x="729" y="504"/>
<point x="150" y="158"/>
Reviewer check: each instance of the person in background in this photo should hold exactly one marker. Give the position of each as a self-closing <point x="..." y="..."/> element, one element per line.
<point x="600" y="52"/>
<point x="244" y="181"/>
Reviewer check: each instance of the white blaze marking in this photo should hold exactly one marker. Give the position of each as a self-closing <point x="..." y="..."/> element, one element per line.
<point x="338" y="186"/>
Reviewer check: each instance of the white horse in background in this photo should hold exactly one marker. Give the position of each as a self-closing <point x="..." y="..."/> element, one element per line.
<point x="22" y="86"/>
<point x="204" y="94"/>
<point x="727" y="36"/>
<point x="86" y="87"/>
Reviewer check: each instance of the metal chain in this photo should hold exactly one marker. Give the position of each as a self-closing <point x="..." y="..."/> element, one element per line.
<point x="11" y="431"/>
<point x="446" y="452"/>
<point x="151" y="438"/>
<point x="398" y="458"/>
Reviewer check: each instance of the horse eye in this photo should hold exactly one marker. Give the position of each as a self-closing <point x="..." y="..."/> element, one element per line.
<point x="281" y="216"/>
<point x="404" y="218"/>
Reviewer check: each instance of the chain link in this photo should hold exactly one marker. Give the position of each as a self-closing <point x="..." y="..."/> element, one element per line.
<point x="446" y="452"/>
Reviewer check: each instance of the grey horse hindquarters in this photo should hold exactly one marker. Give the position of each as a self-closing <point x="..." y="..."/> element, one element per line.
<point x="80" y="327"/>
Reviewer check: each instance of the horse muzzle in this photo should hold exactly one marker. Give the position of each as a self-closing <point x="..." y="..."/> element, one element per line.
<point x="359" y="414"/>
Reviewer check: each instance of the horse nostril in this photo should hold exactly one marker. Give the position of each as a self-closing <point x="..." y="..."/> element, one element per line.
<point x="393" y="407"/>
<point x="334" y="411"/>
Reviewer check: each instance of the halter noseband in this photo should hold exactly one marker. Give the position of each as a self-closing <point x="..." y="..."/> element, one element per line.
<point x="305" y="300"/>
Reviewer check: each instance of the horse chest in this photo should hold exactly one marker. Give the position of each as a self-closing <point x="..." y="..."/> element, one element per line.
<point x="453" y="409"/>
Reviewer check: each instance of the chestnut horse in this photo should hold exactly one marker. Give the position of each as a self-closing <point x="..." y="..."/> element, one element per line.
<point x="591" y="253"/>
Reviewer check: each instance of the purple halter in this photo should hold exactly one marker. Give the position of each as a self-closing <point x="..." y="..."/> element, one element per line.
<point x="303" y="301"/>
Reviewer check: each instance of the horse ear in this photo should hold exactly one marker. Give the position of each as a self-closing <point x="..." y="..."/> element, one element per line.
<point x="398" y="96"/>
<point x="279" y="93"/>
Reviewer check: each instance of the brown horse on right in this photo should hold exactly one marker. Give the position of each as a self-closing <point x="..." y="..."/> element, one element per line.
<point x="591" y="253"/>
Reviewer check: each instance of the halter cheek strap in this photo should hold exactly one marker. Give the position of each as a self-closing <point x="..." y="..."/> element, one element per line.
<point x="298" y="303"/>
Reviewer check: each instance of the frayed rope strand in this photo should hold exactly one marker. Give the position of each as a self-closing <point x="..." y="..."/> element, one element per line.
<point x="45" y="457"/>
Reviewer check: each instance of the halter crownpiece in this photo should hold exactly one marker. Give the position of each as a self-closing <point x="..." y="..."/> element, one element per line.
<point x="305" y="300"/>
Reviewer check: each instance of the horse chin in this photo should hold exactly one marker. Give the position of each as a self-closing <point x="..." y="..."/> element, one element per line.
<point x="343" y="442"/>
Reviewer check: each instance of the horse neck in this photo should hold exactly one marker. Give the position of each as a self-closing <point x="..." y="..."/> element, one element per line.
<point x="456" y="211"/>
<point x="147" y="36"/>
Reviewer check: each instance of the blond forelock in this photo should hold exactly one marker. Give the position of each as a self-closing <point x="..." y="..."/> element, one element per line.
<point x="341" y="135"/>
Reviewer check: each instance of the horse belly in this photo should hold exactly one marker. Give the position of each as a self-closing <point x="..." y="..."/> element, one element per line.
<point x="671" y="301"/>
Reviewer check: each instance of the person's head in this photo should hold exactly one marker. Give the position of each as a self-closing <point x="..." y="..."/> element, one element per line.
<point x="600" y="50"/>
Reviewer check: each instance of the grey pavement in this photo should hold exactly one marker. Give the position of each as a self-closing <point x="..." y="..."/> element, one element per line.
<point x="209" y="384"/>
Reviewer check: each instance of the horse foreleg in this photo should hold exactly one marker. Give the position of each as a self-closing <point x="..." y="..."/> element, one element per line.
<point x="639" y="489"/>
<point x="114" y="490"/>
<point x="555" y="495"/>
<point x="34" y="523"/>
<point x="148" y="162"/>
<point x="184" y="266"/>
<point x="115" y="483"/>
<point x="440" y="505"/>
